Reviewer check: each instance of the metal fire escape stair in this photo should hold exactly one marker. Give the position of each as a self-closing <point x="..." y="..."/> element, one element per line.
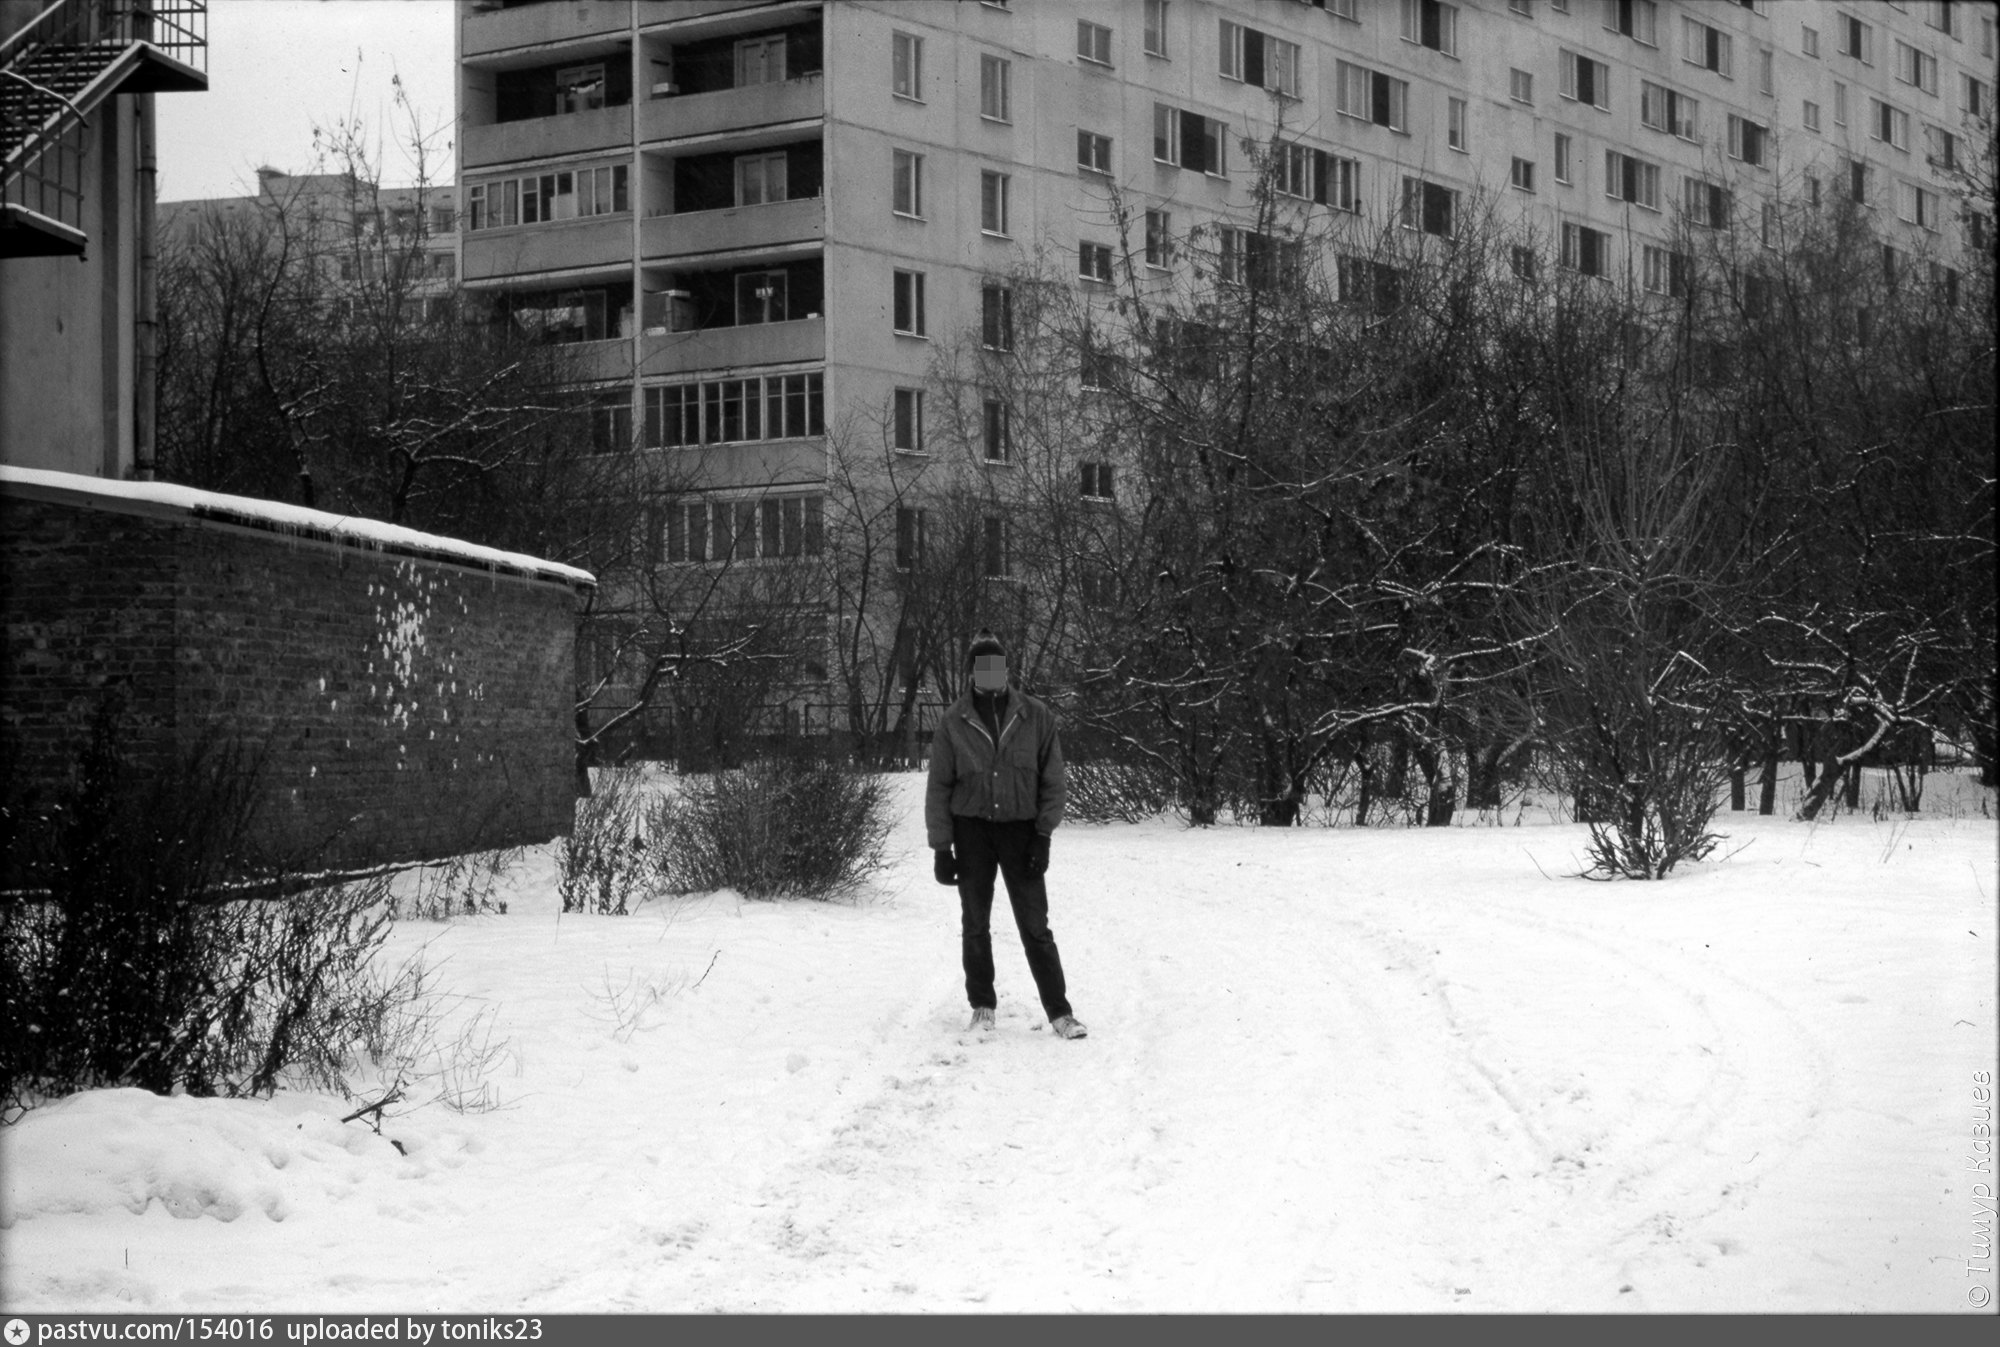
<point x="55" y="73"/>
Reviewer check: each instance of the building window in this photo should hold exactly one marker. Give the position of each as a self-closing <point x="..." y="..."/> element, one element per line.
<point x="1943" y="16"/>
<point x="1093" y="152"/>
<point x="1889" y="123"/>
<point x="1258" y="58"/>
<point x="1857" y="182"/>
<point x="1522" y="262"/>
<point x="1941" y="149"/>
<point x="1839" y="104"/>
<point x="1636" y="19"/>
<point x="1812" y="190"/>
<point x="1586" y="251"/>
<point x="996" y="101"/>
<point x="1156" y="27"/>
<point x="1521" y="86"/>
<point x="1668" y="110"/>
<point x="996" y="437"/>
<point x="1336" y="181"/>
<point x="611" y="424"/>
<point x="1562" y="165"/>
<point x="994" y="189"/>
<point x="1371" y="96"/>
<point x="1916" y="206"/>
<point x="1767" y="79"/>
<point x="760" y="178"/>
<point x="907" y="193"/>
<point x="1704" y="46"/>
<point x="1292" y="171"/>
<point x="1664" y="272"/>
<point x="1523" y="175"/>
<point x="761" y="297"/>
<point x="1190" y="140"/>
<point x="997" y="564"/>
<point x="1431" y="24"/>
<point x="1747" y="140"/>
<point x="1455" y="131"/>
<point x="1707" y="203"/>
<point x="1916" y="67"/>
<point x="1525" y="8"/>
<point x="1097" y="481"/>
<point x="909" y="303"/>
<point x="996" y="317"/>
<point x="1857" y="39"/>
<point x="1974" y="97"/>
<point x="728" y="411"/>
<point x="1093" y="262"/>
<point x="1429" y="207"/>
<point x="1585" y="80"/>
<point x="910" y="530"/>
<point x="1372" y="285"/>
<point x="1631" y="180"/>
<point x="1246" y="257"/>
<point x="907" y="65"/>
<point x="1809" y="41"/>
<point x="1093" y="42"/>
<point x="760" y="60"/>
<point x="908" y="420"/>
<point x="1811" y="111"/>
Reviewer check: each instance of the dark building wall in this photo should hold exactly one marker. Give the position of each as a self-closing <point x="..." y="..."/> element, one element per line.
<point x="403" y="706"/>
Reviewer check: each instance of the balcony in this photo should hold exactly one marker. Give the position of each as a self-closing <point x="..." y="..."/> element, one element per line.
<point x="537" y="25"/>
<point x="568" y="245"/>
<point x="599" y="361"/>
<point x="738" y="229"/>
<point x="754" y="105"/>
<point x="727" y="347"/>
<point x="547" y="137"/>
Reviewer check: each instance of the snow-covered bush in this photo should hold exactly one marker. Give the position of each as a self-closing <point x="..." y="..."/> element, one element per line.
<point x="779" y="827"/>
<point x="601" y="863"/>
<point x="142" y="944"/>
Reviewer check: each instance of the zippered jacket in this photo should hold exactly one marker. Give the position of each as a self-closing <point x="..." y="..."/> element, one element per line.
<point x="1021" y="777"/>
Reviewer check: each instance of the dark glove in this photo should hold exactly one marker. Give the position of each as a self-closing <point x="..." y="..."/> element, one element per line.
<point x="944" y="866"/>
<point x="1038" y="856"/>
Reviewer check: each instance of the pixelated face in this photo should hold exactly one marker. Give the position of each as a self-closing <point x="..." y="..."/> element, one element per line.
<point x="989" y="672"/>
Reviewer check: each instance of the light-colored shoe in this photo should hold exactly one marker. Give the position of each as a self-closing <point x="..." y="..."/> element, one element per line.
<point x="982" y="1018"/>
<point x="1068" y="1026"/>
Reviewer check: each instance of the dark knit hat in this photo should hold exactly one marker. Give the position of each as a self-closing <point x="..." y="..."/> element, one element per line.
<point x="984" y="642"/>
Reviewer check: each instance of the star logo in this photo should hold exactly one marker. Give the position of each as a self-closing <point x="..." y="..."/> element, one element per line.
<point x="17" y="1332"/>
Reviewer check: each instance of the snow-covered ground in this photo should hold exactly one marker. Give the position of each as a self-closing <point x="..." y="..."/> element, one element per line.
<point x="1328" y="1069"/>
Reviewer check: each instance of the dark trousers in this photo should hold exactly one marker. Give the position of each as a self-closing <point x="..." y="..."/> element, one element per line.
<point x="984" y="848"/>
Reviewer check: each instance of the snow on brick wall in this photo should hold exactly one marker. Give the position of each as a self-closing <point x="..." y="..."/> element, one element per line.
<point x="408" y="705"/>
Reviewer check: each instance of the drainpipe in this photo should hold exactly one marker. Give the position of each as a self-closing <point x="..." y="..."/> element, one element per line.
<point x="146" y="321"/>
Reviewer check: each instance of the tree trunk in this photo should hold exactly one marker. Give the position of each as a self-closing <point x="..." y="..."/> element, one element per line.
<point x="1767" y="784"/>
<point x="1736" y="788"/>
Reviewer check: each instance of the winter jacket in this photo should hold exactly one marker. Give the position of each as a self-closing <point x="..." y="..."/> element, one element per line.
<point x="1021" y="778"/>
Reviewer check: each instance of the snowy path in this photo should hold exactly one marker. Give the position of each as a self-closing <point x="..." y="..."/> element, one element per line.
<point x="1328" y="1070"/>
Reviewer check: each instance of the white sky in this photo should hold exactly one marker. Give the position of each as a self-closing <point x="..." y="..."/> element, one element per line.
<point x="277" y="68"/>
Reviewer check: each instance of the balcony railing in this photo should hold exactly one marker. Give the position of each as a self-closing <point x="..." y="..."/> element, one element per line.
<point x="484" y="31"/>
<point x="725" y="347"/>
<point x="738" y="228"/>
<point x="741" y="109"/>
<point x="546" y="137"/>
<point x="601" y="242"/>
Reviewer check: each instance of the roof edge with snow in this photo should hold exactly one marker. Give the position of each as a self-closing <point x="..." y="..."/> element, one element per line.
<point x="164" y="500"/>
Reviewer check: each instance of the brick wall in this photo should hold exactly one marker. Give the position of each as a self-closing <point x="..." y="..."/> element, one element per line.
<point x="405" y="705"/>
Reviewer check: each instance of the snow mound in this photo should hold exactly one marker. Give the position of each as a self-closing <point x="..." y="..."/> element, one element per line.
<point x="107" y="1149"/>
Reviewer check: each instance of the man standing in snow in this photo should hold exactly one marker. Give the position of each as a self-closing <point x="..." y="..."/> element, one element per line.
<point x="995" y="794"/>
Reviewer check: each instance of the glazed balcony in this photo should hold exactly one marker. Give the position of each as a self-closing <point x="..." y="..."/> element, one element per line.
<point x="687" y="116"/>
<point x="738" y="228"/>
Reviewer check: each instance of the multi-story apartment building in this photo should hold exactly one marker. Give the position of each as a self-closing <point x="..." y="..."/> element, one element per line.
<point x="360" y="234"/>
<point x="761" y="217"/>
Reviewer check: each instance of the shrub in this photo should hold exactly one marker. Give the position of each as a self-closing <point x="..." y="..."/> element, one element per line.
<point x="457" y="886"/>
<point x="142" y="943"/>
<point x="601" y="862"/>
<point x="778" y="827"/>
<point x="1108" y="791"/>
